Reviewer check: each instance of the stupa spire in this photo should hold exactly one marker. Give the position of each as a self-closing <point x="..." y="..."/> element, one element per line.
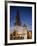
<point x="18" y="19"/>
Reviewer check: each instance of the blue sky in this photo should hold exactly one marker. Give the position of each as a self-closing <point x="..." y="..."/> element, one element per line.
<point x="25" y="14"/>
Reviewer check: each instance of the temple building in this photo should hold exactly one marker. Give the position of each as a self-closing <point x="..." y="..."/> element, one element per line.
<point x="20" y="32"/>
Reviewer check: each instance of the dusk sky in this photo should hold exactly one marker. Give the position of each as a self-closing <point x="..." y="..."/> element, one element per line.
<point x="25" y="14"/>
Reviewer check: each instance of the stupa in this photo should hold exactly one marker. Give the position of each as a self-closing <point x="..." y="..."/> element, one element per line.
<point x="21" y="30"/>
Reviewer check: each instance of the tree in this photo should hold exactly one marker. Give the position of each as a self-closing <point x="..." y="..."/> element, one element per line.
<point x="14" y="33"/>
